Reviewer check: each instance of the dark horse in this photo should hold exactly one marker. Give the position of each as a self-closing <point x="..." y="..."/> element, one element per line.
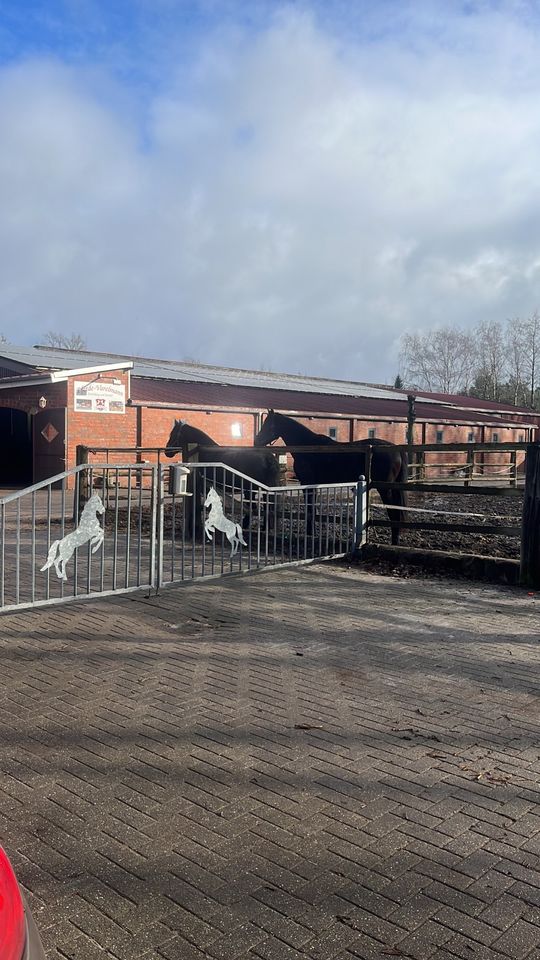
<point x="388" y="463"/>
<point x="260" y="465"/>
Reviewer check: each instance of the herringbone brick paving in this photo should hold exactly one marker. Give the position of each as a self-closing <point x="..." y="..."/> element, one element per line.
<point x="311" y="763"/>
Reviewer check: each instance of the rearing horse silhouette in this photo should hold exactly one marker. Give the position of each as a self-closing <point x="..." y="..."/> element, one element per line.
<point x="260" y="465"/>
<point x="89" y="529"/>
<point x="388" y="463"/>
<point x="216" y="520"/>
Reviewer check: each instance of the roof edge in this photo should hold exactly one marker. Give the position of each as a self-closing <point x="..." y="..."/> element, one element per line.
<point x="59" y="376"/>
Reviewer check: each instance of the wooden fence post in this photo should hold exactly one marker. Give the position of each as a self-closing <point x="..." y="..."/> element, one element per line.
<point x="513" y="468"/>
<point x="411" y="417"/>
<point x="530" y="531"/>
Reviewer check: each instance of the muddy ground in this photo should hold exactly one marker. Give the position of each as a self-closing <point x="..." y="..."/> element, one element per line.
<point x="493" y="510"/>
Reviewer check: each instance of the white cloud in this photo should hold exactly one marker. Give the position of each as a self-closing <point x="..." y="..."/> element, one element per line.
<point x="291" y="199"/>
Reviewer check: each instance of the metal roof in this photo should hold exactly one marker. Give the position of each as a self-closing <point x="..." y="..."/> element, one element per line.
<point x="154" y="381"/>
<point x="210" y="396"/>
<point x="47" y="358"/>
<point x="476" y="403"/>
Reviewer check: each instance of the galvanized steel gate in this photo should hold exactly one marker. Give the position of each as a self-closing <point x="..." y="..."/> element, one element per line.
<point x="108" y="528"/>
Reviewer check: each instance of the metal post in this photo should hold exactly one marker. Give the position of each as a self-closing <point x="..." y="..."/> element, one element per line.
<point x="154" y="576"/>
<point x="360" y="514"/>
<point x="82" y="483"/>
<point x="368" y="488"/>
<point x="161" y="506"/>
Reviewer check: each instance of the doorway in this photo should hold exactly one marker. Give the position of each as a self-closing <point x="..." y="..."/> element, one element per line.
<point x="16" y="440"/>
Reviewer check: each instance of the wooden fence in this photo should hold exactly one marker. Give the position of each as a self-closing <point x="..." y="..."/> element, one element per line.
<point x="467" y="462"/>
<point x="485" y="482"/>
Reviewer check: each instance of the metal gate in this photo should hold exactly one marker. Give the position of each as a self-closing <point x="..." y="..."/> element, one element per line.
<point x="108" y="528"/>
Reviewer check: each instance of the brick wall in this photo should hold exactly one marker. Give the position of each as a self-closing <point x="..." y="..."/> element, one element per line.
<point x="27" y="398"/>
<point x="156" y="425"/>
<point x="466" y="433"/>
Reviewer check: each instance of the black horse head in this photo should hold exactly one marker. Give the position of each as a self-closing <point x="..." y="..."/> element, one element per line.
<point x="269" y="430"/>
<point x="175" y="438"/>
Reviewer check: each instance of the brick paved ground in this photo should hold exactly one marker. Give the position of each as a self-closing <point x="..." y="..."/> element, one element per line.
<point x="310" y="763"/>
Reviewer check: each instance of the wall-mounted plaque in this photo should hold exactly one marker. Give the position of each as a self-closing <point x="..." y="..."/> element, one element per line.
<point x="99" y="396"/>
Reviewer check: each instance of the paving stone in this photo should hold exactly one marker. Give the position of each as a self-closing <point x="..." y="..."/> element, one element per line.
<point x="519" y="940"/>
<point x="205" y="792"/>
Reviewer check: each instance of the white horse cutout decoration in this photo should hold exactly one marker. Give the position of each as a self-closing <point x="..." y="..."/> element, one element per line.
<point x="216" y="520"/>
<point x="89" y="529"/>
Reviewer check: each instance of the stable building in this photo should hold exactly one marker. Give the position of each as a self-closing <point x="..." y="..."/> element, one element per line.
<point x="53" y="400"/>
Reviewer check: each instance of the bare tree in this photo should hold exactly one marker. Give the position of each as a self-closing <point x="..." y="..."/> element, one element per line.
<point x="515" y="339"/>
<point x="440" y="360"/>
<point x="532" y="341"/>
<point x="75" y="341"/>
<point x="491" y="359"/>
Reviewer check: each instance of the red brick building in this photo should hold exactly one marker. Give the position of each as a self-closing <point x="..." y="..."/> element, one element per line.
<point x="51" y="400"/>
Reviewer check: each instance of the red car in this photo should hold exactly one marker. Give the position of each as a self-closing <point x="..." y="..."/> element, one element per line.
<point x="19" y="939"/>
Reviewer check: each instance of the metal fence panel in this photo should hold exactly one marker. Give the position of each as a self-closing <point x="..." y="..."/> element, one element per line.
<point x="109" y="528"/>
<point x="227" y="523"/>
<point x="85" y="532"/>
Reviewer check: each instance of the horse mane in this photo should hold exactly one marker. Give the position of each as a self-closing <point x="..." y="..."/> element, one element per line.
<point x="301" y="428"/>
<point x="190" y="434"/>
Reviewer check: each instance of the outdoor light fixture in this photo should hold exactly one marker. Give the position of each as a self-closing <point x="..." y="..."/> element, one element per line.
<point x="42" y="402"/>
<point x="236" y="430"/>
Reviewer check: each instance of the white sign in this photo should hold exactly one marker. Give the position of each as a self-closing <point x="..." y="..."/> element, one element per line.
<point x="101" y="396"/>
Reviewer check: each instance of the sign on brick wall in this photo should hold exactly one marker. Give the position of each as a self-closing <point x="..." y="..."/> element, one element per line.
<point x="99" y="397"/>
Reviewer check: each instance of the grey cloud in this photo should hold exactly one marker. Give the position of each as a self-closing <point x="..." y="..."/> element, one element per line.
<point x="291" y="200"/>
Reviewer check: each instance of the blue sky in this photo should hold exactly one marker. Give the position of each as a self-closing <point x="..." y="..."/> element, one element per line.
<point x="287" y="186"/>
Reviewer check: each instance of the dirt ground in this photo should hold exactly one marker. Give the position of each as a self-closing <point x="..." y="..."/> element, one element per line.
<point x="494" y="509"/>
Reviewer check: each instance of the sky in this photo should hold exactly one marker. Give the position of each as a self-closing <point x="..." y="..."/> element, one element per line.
<point x="278" y="186"/>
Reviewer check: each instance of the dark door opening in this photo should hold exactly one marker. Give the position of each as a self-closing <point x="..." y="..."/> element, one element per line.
<point x="16" y="440"/>
<point x="49" y="443"/>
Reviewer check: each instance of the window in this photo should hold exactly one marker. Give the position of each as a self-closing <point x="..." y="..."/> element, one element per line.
<point x="470" y="438"/>
<point x="440" y="436"/>
<point x="236" y="430"/>
<point x="495" y="438"/>
<point x="371" y="433"/>
<point x="332" y="432"/>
